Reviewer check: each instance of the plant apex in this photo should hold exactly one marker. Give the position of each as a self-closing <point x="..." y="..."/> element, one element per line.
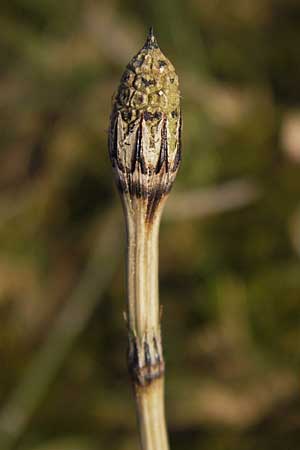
<point x="151" y="41"/>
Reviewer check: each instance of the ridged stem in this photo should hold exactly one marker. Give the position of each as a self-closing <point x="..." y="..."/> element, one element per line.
<point x="145" y="358"/>
<point x="142" y="272"/>
<point x="151" y="416"/>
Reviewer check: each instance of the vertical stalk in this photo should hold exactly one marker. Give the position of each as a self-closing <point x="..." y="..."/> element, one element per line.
<point x="142" y="273"/>
<point x="145" y="358"/>
<point x="151" y="417"/>
<point x="145" y="151"/>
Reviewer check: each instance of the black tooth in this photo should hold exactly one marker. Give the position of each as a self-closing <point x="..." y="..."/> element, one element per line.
<point x="178" y="152"/>
<point x="113" y="138"/>
<point x="139" y="149"/>
<point x="114" y="145"/>
<point x="147" y="354"/>
<point x="157" y="356"/>
<point x="163" y="155"/>
<point x="177" y="158"/>
<point x="135" y="153"/>
<point x="133" y="359"/>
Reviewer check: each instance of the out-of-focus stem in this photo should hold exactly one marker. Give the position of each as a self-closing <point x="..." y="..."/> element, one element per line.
<point x="16" y="414"/>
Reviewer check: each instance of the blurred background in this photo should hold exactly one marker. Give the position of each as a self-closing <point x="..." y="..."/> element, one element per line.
<point x="230" y="238"/>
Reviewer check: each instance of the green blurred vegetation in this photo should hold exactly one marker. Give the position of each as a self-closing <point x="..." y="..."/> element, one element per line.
<point x="230" y="280"/>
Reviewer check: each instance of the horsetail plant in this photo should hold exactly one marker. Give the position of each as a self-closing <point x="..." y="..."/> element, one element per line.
<point x="145" y="152"/>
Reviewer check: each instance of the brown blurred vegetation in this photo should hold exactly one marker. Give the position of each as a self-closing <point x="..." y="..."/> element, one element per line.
<point x="230" y="241"/>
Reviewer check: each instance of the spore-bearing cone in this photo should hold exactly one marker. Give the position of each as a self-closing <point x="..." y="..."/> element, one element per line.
<point x="145" y="129"/>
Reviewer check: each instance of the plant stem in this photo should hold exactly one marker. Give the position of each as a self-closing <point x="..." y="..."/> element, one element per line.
<point x="142" y="273"/>
<point x="151" y="416"/>
<point x="145" y="359"/>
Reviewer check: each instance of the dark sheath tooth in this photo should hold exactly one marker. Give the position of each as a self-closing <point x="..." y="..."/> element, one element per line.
<point x="163" y="155"/>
